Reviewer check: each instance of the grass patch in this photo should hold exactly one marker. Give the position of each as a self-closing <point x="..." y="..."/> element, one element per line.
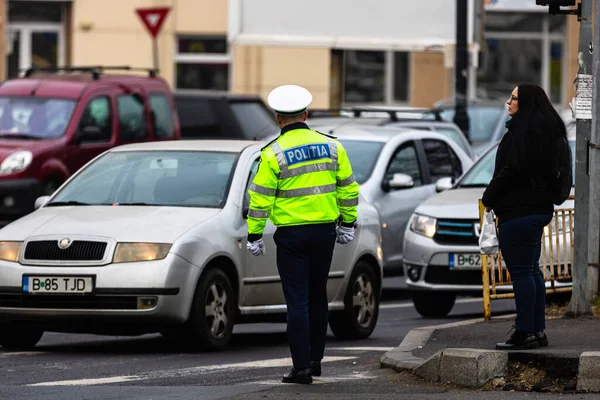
<point x="557" y="309"/>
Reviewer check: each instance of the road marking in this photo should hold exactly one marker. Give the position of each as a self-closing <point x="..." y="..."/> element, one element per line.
<point x="272" y="363"/>
<point x="23" y="353"/>
<point x="317" y="380"/>
<point x="366" y="348"/>
<point x="410" y="304"/>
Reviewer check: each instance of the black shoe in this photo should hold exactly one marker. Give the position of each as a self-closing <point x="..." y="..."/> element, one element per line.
<point x="298" y="376"/>
<point x="315" y="368"/>
<point x="519" y="341"/>
<point x="541" y="338"/>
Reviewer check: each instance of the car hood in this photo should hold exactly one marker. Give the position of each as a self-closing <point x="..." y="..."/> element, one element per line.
<point x="123" y="224"/>
<point x="462" y="203"/>
<point x="453" y="204"/>
<point x="9" y="146"/>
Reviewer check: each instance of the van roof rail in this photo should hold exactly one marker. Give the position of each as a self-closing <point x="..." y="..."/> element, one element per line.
<point x="95" y="70"/>
<point x="360" y="111"/>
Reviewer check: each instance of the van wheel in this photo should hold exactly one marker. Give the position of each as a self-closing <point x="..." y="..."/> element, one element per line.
<point x="19" y="337"/>
<point x="361" y="305"/>
<point x="433" y="305"/>
<point x="211" y="321"/>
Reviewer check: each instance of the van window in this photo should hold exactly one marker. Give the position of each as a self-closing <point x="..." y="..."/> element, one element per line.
<point x="254" y="119"/>
<point x="97" y="113"/>
<point x="161" y="108"/>
<point x="132" y="121"/>
<point x="197" y="118"/>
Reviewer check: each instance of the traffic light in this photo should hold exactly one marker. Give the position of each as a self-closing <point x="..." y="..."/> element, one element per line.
<point x="555" y="3"/>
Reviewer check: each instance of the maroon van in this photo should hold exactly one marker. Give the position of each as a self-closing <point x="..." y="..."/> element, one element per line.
<point x="53" y="121"/>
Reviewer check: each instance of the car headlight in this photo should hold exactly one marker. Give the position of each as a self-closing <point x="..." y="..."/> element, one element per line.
<point x="132" y="252"/>
<point x="423" y="225"/>
<point x="16" y="162"/>
<point x="9" y="251"/>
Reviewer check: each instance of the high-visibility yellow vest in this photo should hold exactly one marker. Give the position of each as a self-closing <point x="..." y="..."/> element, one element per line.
<point x="304" y="177"/>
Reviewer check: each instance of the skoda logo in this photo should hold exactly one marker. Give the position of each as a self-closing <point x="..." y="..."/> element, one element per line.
<point x="64" y="243"/>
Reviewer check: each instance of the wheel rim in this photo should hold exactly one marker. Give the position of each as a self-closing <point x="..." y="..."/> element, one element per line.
<point x="363" y="301"/>
<point x="216" y="310"/>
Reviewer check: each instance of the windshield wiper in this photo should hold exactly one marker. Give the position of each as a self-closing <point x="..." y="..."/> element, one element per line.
<point x="473" y="185"/>
<point x="19" y="136"/>
<point x="67" y="203"/>
<point x="136" y="204"/>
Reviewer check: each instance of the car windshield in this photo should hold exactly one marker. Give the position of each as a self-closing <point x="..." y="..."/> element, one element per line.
<point x="482" y="172"/>
<point x="34" y="117"/>
<point x="482" y="121"/>
<point x="160" y="178"/>
<point x="363" y="155"/>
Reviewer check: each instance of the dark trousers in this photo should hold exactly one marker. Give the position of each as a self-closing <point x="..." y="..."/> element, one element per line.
<point x="520" y="241"/>
<point x="304" y="256"/>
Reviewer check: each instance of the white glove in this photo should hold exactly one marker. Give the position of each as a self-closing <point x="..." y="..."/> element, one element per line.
<point x="344" y="234"/>
<point x="257" y="247"/>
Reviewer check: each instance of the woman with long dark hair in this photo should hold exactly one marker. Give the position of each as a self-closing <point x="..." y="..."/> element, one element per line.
<point x="520" y="196"/>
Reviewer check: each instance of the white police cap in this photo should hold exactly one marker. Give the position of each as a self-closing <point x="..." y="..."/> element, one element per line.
<point x="289" y="100"/>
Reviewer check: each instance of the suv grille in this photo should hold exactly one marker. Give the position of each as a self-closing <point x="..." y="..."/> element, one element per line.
<point x="461" y="232"/>
<point x="79" y="250"/>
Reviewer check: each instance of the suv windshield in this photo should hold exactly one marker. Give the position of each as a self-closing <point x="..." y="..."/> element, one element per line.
<point x="362" y="155"/>
<point x="160" y="178"/>
<point x="482" y="172"/>
<point x="34" y="117"/>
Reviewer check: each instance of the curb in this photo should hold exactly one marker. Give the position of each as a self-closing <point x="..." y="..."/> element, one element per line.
<point x="478" y="366"/>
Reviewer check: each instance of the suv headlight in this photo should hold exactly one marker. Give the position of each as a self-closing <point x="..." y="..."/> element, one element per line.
<point x="9" y="251"/>
<point x="16" y="162"/>
<point x="424" y="225"/>
<point x="132" y="252"/>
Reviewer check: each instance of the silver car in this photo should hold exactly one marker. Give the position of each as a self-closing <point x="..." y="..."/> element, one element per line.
<point x="397" y="169"/>
<point x="151" y="238"/>
<point x="441" y="251"/>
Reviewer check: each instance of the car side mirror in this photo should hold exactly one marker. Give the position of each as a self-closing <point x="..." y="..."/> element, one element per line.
<point x="40" y="202"/>
<point x="401" y="181"/>
<point x="90" y="133"/>
<point x="443" y="184"/>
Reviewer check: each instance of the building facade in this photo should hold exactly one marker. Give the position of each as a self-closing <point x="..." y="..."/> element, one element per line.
<point x="520" y="44"/>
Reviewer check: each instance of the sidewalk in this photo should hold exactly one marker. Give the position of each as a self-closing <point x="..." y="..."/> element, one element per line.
<point x="464" y="354"/>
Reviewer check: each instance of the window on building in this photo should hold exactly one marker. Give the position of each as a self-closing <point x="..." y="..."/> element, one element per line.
<point x="163" y="116"/>
<point x="375" y="77"/>
<point x="202" y="63"/>
<point x="132" y="121"/>
<point x="98" y="114"/>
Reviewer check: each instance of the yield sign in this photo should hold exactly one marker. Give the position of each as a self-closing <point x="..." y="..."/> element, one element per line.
<point x="153" y="18"/>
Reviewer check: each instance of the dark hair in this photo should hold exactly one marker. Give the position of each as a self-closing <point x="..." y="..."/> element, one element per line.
<point x="535" y="128"/>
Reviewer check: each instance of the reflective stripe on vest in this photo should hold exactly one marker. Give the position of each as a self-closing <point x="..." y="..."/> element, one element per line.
<point x="306" y="191"/>
<point x="285" y="172"/>
<point x="348" y="203"/>
<point x="262" y="190"/>
<point x="348" y="181"/>
<point x="258" y="213"/>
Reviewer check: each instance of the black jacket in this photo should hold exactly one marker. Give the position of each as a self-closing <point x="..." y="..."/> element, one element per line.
<point x="513" y="194"/>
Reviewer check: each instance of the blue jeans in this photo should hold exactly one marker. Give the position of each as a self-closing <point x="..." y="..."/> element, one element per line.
<point x="520" y="241"/>
<point x="304" y="255"/>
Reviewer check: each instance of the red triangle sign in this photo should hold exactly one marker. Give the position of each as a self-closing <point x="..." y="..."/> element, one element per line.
<point x="153" y="18"/>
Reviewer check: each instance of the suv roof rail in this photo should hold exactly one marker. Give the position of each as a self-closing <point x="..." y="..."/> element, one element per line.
<point x="95" y="70"/>
<point x="360" y="111"/>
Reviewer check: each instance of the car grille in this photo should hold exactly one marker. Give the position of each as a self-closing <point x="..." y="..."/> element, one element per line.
<point x="79" y="250"/>
<point x="72" y="302"/>
<point x="460" y="232"/>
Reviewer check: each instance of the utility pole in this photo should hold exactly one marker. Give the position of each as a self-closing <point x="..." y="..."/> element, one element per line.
<point x="461" y="69"/>
<point x="594" y="167"/>
<point x="580" y="299"/>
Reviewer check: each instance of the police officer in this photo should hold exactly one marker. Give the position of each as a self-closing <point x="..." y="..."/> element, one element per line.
<point x="305" y="185"/>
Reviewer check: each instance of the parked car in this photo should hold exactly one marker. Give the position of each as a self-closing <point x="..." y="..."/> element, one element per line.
<point x="397" y="169"/>
<point x="441" y="251"/>
<point x="414" y="118"/>
<point x="151" y="238"/>
<point x="51" y="124"/>
<point x="224" y="116"/>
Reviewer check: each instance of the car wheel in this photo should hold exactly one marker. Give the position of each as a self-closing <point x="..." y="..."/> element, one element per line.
<point x="212" y="316"/>
<point x="433" y="305"/>
<point x="19" y="338"/>
<point x="361" y="305"/>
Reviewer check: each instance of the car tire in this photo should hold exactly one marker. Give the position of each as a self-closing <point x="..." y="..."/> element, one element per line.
<point x="358" y="321"/>
<point x="214" y="294"/>
<point x="433" y="305"/>
<point x="19" y="337"/>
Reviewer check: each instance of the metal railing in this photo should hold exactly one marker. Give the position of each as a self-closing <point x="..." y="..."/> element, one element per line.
<point x="556" y="261"/>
